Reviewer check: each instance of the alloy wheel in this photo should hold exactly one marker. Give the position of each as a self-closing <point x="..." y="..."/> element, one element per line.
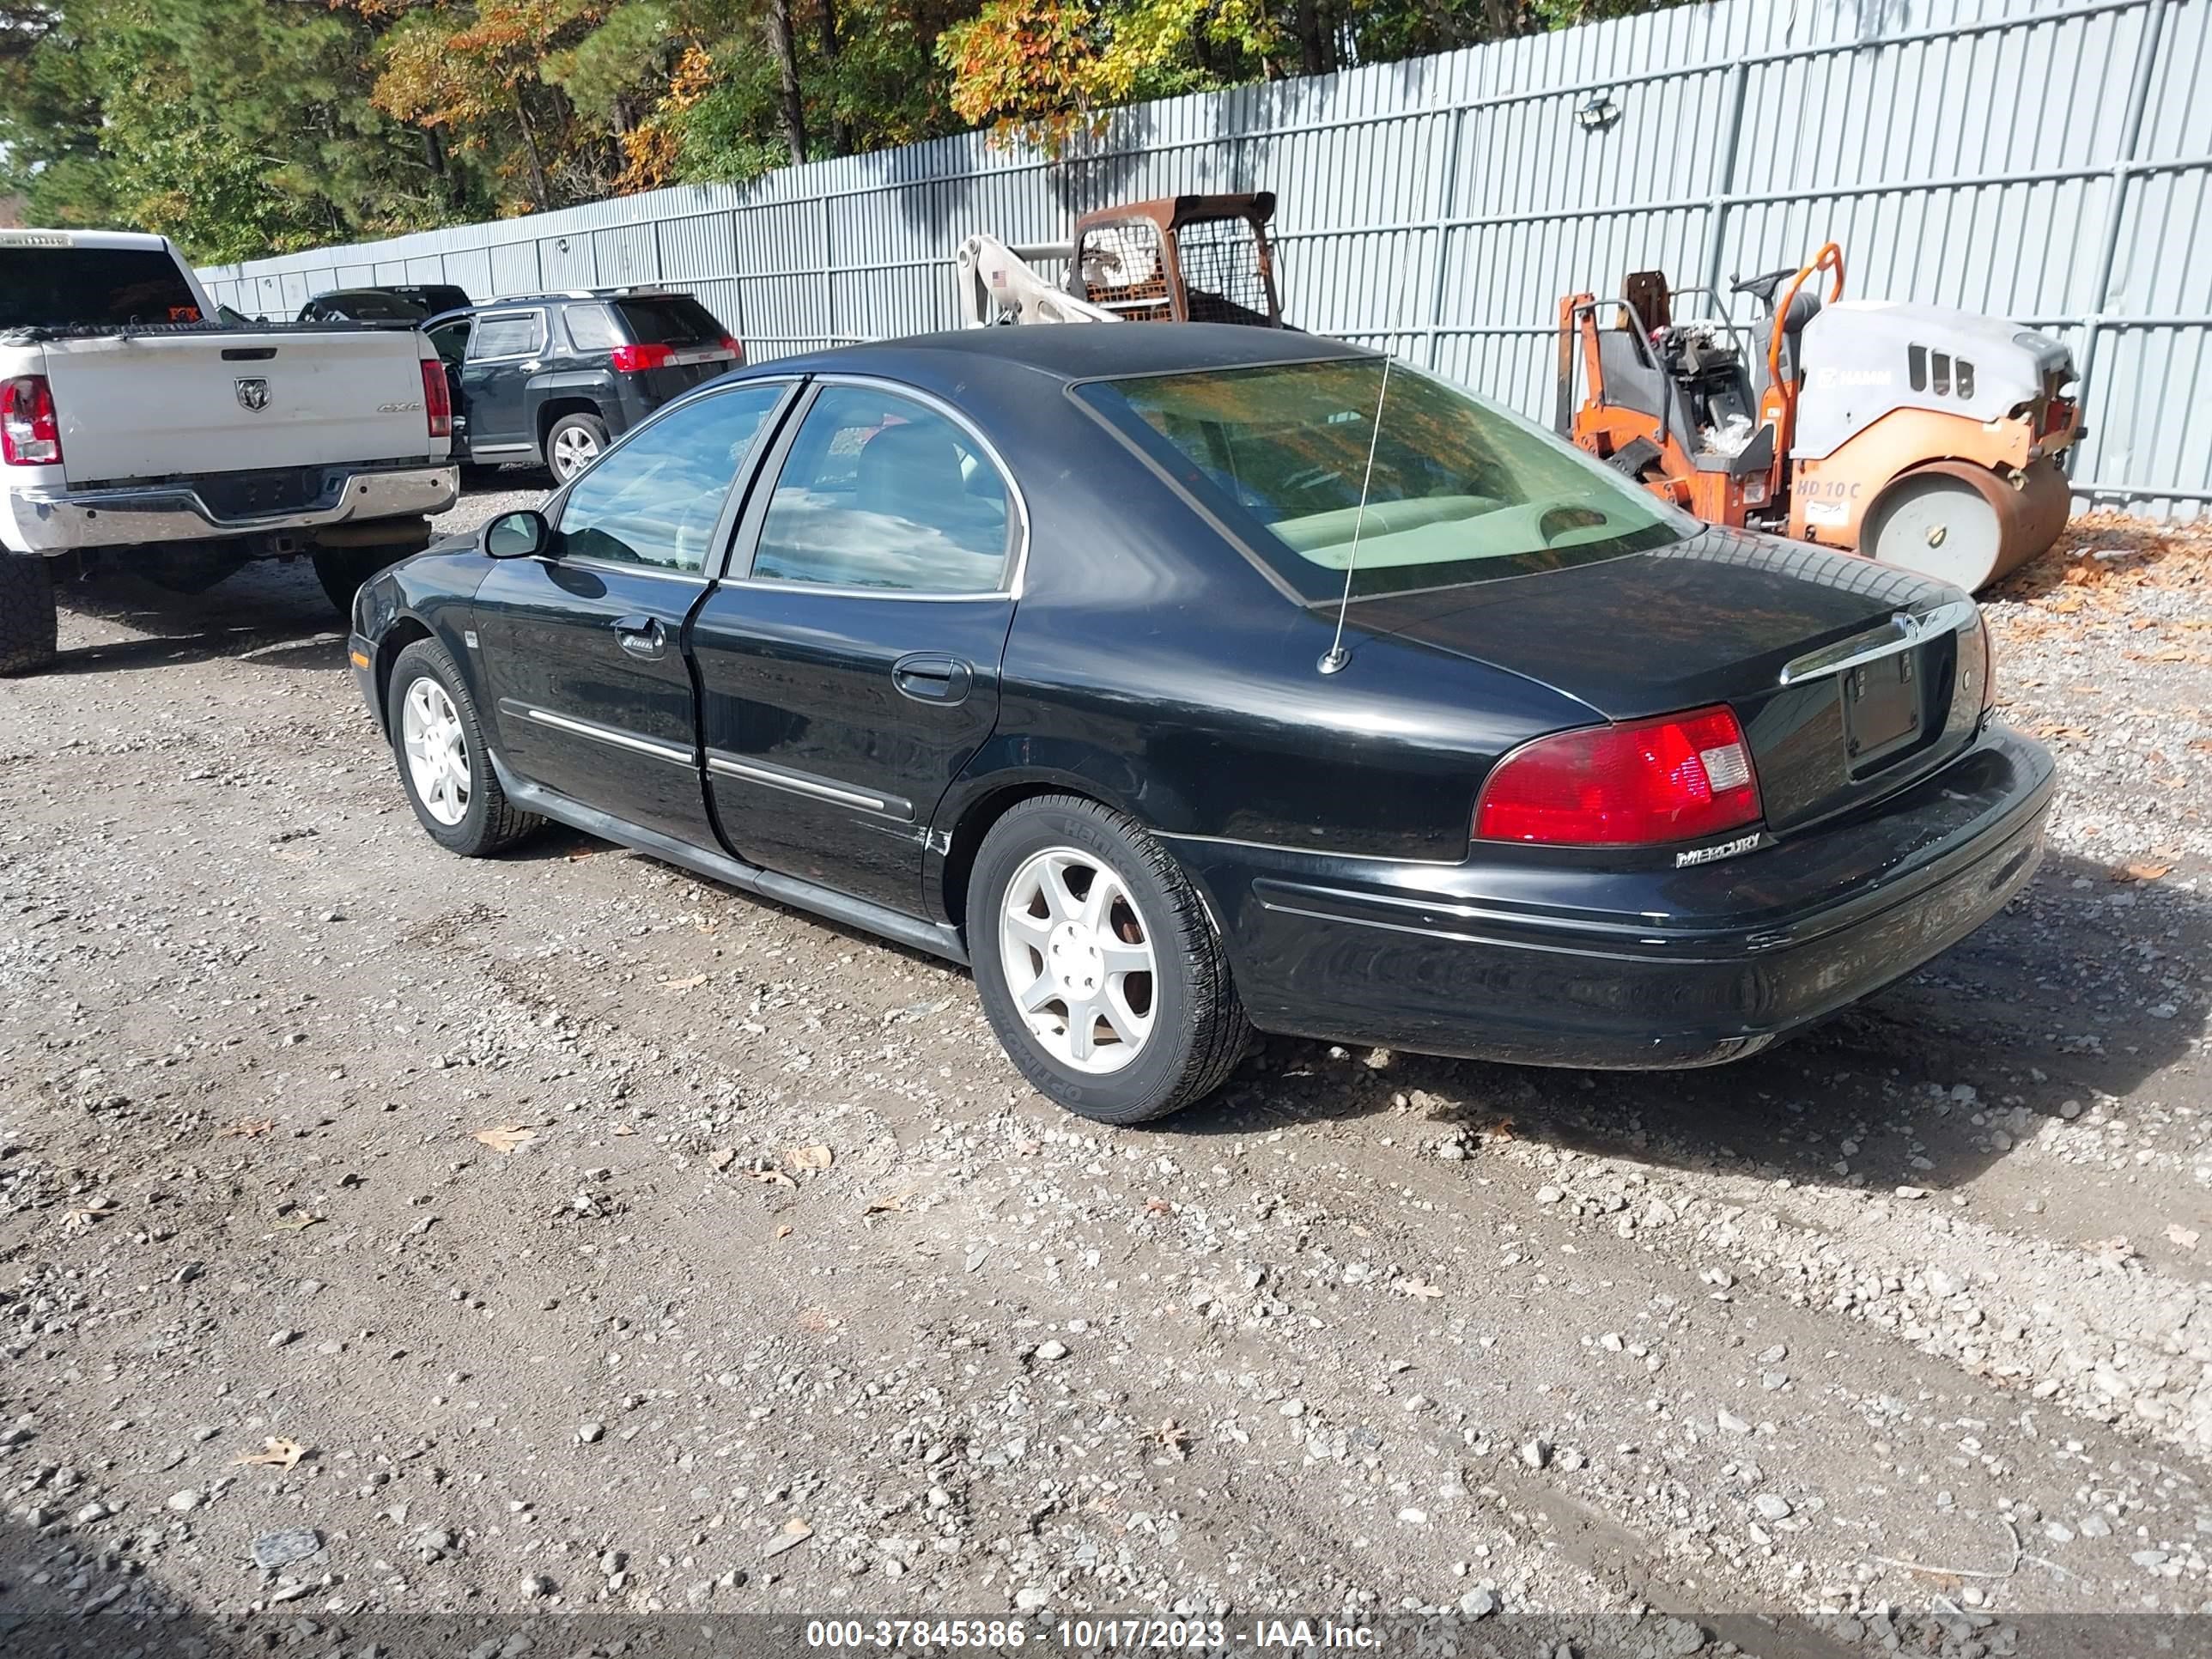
<point x="1079" y="959"/>
<point x="573" y="449"/>
<point x="437" y="751"/>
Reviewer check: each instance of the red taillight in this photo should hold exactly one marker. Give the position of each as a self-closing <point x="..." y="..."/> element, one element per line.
<point x="1635" y="784"/>
<point x="636" y="359"/>
<point x="437" y="397"/>
<point x="30" y="433"/>
<point x="734" y="346"/>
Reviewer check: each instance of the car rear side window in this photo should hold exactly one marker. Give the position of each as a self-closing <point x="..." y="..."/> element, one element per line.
<point x="1433" y="486"/>
<point x="590" y="328"/>
<point x="673" y="319"/>
<point x="91" y="288"/>
<point x="654" y="499"/>
<point x="881" y="492"/>
<point x="511" y="334"/>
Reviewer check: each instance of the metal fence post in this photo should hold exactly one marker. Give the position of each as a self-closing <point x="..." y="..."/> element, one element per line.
<point x="828" y="275"/>
<point x="1724" y="182"/>
<point x="2122" y="181"/>
<point x="1447" y="207"/>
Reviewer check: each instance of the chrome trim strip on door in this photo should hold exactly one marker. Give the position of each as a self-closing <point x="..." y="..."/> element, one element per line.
<point x="630" y="740"/>
<point x="800" y="784"/>
<point x="1899" y="634"/>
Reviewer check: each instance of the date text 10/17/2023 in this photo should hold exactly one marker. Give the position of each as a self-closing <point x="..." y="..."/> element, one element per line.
<point x="1089" y="1635"/>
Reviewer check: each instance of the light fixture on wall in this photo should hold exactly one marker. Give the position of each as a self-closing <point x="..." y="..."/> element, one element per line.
<point x="1598" y="112"/>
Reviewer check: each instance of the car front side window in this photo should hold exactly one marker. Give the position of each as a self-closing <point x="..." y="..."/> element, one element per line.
<point x="654" y="501"/>
<point x="881" y="491"/>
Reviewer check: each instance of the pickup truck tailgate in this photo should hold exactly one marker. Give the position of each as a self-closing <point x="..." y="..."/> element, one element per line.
<point x="160" y="406"/>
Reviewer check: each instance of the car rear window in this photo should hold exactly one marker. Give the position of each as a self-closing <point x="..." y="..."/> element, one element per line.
<point x="676" y="319"/>
<point x="91" y="288"/>
<point x="1432" y="485"/>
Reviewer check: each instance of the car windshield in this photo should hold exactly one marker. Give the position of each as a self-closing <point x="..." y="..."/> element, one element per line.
<point x="91" y="288"/>
<point x="1461" y="490"/>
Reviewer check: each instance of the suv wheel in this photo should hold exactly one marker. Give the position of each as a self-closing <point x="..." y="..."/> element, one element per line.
<point x="1097" y="965"/>
<point x="574" y="444"/>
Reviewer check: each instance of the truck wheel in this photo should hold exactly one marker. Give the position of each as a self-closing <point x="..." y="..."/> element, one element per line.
<point x="27" y="639"/>
<point x="574" y="444"/>
<point x="1097" y="965"/>
<point x="342" y="570"/>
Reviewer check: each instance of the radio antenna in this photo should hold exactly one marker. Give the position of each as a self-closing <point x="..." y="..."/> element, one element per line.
<point x="1337" y="656"/>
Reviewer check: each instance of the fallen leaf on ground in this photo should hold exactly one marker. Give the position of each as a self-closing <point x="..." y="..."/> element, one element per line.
<point x="1158" y="1206"/>
<point x="707" y="926"/>
<point x="1358" y="1231"/>
<point x="621" y="1129"/>
<point x="783" y="1232"/>
<point x="79" y="1217"/>
<point x="793" y="1533"/>
<point x="2140" y="871"/>
<point x="722" y="1156"/>
<point x="771" y="1177"/>
<point x="688" y="982"/>
<point x="507" y="1137"/>
<point x="246" y="1126"/>
<point x="810" y="1157"/>
<point x="895" y="1204"/>
<point x="819" y="1319"/>
<point x="275" y="1453"/>
<point x="575" y="853"/>
<point x="2184" y="1236"/>
<point x="297" y="1224"/>
<point x="2065" y="605"/>
<point x="1171" y="1436"/>
<point x="1418" y="1287"/>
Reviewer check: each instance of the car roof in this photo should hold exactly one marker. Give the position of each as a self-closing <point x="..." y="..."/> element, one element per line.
<point x="1077" y="351"/>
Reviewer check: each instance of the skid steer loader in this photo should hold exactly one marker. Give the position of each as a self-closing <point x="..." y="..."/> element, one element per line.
<point x="1178" y="258"/>
<point x="1919" y="436"/>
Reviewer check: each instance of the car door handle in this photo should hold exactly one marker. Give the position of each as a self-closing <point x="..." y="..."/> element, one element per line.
<point x="641" y="636"/>
<point x="928" y="678"/>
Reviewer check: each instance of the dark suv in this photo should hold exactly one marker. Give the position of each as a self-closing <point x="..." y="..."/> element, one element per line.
<point x="552" y="377"/>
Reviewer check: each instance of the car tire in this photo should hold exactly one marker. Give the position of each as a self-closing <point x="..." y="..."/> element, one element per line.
<point x="574" y="442"/>
<point x="1029" y="938"/>
<point x="459" y="800"/>
<point x="28" y="625"/>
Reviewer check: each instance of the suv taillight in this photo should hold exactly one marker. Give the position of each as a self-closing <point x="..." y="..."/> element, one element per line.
<point x="734" y="346"/>
<point x="30" y="433"/>
<point x="437" y="397"/>
<point x="636" y="359"/>
<point x="1637" y="783"/>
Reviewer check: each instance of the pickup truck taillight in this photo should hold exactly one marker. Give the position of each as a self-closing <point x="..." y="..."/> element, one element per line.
<point x="29" y="434"/>
<point x="437" y="397"/>
<point x="1634" y="783"/>
<point x="636" y="359"/>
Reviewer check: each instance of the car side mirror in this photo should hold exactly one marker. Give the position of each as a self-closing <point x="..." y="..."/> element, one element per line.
<point x="521" y="535"/>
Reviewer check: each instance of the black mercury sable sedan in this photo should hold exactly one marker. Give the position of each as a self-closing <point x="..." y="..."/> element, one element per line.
<point x="1183" y="680"/>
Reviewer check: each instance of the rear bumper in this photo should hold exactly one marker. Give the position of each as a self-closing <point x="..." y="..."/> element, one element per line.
<point x="1630" y="968"/>
<point x="59" y="520"/>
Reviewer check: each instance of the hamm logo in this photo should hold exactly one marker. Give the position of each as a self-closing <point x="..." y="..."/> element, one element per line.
<point x="253" y="395"/>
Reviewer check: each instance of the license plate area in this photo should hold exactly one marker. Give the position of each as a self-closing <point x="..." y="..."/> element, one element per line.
<point x="1883" y="709"/>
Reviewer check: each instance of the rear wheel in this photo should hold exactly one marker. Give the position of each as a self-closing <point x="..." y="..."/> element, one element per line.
<point x="574" y="444"/>
<point x="444" y="764"/>
<point x="1097" y="963"/>
<point x="28" y="638"/>
<point x="342" y="570"/>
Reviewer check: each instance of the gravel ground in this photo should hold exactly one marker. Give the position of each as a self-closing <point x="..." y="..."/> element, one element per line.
<point x="384" y="1235"/>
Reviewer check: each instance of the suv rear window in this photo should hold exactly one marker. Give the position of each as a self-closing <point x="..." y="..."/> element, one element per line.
<point x="1326" y="468"/>
<point x="676" y="319"/>
<point x="91" y="288"/>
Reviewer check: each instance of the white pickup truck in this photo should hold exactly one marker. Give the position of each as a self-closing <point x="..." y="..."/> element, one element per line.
<point x="136" y="430"/>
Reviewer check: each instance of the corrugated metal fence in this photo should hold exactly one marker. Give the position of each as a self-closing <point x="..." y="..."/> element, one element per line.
<point x="2046" y="159"/>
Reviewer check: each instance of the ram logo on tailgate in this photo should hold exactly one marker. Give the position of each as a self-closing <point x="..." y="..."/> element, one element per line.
<point x="253" y="395"/>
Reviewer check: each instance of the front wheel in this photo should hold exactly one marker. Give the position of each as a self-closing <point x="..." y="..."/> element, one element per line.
<point x="574" y="442"/>
<point x="29" y="637"/>
<point x="1097" y="965"/>
<point x="444" y="764"/>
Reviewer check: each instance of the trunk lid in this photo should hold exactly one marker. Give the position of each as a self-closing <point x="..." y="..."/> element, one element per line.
<point x="163" y="405"/>
<point x="1717" y="619"/>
